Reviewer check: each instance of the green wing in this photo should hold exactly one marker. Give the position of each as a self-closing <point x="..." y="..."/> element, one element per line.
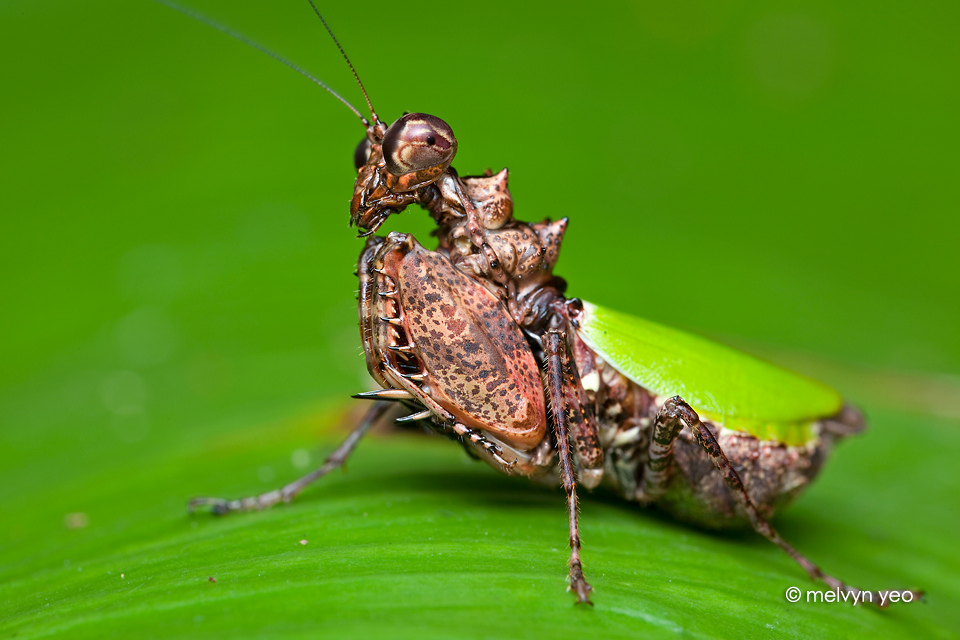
<point x="721" y="384"/>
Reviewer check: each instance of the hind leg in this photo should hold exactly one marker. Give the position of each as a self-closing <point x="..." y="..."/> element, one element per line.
<point x="335" y="460"/>
<point x="670" y="420"/>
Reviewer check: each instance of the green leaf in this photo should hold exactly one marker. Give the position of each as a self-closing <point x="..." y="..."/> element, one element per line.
<point x="418" y="541"/>
<point x="725" y="385"/>
<point x="177" y="297"/>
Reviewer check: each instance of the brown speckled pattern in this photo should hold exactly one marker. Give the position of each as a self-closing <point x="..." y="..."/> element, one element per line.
<point x="478" y="365"/>
<point x="492" y="198"/>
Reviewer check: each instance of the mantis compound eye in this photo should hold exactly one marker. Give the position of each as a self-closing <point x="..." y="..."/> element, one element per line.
<point x="361" y="154"/>
<point x="418" y="142"/>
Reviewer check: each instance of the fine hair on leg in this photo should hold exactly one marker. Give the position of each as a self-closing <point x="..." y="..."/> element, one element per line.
<point x="554" y="343"/>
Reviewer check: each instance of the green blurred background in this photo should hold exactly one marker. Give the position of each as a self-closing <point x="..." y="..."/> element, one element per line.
<point x="176" y="268"/>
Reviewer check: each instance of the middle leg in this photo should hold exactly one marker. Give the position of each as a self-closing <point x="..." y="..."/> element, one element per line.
<point x="555" y="351"/>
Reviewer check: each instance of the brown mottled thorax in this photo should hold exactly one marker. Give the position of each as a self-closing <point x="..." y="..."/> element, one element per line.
<point x="513" y="259"/>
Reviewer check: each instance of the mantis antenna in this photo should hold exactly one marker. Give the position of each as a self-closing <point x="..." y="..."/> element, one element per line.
<point x="350" y="64"/>
<point x="199" y="17"/>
